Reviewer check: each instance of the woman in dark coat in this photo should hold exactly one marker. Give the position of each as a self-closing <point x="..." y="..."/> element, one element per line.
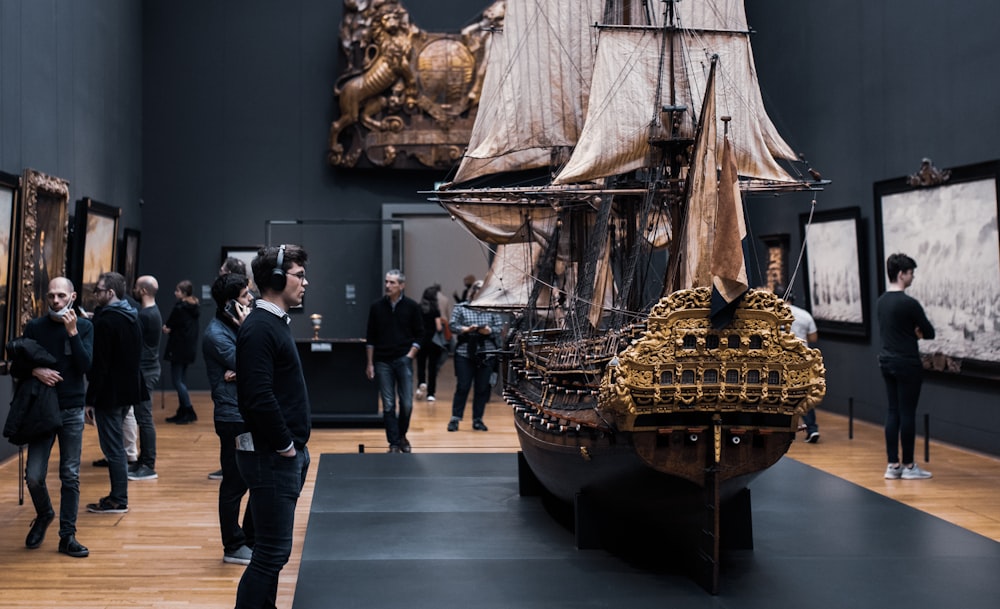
<point x="181" y="329"/>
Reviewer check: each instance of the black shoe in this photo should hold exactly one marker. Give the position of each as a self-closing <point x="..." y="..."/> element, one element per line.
<point x="478" y="425"/>
<point x="813" y="437"/>
<point x="132" y="466"/>
<point x="177" y="416"/>
<point x="404" y="445"/>
<point x="453" y="425"/>
<point x="69" y="545"/>
<point x="107" y="506"/>
<point x="37" y="533"/>
<point x="185" y="418"/>
<point x="100" y="463"/>
<point x="394" y="449"/>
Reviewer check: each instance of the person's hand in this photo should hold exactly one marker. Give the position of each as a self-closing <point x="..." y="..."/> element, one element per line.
<point x="229" y="376"/>
<point x="166" y="330"/>
<point x="918" y="332"/>
<point x="485" y="330"/>
<point x="288" y="453"/>
<point x="69" y="320"/>
<point x="370" y="371"/>
<point x="88" y="415"/>
<point x="47" y="376"/>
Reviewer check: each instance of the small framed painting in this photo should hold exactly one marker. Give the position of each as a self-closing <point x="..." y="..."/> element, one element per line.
<point x="95" y="240"/>
<point x="836" y="282"/>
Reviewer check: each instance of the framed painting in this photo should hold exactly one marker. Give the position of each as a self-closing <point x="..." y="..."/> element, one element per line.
<point x="9" y="186"/>
<point x="128" y="259"/>
<point x="95" y="240"/>
<point x="949" y="227"/>
<point x="244" y="253"/>
<point x="43" y="230"/>
<point x="836" y="281"/>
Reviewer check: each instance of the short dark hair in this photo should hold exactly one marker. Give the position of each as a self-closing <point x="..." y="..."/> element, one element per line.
<point x="234" y="265"/>
<point x="228" y="287"/>
<point x="186" y="287"/>
<point x="898" y="263"/>
<point x="267" y="259"/>
<point x="113" y="281"/>
<point x="780" y="290"/>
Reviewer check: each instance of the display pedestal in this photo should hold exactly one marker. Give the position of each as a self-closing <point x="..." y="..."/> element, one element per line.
<point x="339" y="392"/>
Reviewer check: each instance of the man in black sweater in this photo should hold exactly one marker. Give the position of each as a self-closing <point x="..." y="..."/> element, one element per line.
<point x="116" y="383"/>
<point x="70" y="340"/>
<point x="395" y="327"/>
<point x="902" y="323"/>
<point x="273" y="401"/>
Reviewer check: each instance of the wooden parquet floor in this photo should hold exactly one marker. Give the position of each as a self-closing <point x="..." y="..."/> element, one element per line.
<point x="165" y="553"/>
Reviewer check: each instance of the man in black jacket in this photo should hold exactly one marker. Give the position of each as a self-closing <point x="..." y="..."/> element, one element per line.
<point x="70" y="340"/>
<point x="395" y="327"/>
<point x="115" y="383"/>
<point x="273" y="401"/>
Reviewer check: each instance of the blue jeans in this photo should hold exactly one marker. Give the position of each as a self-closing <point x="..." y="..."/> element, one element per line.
<point x="231" y="490"/>
<point x="902" y="382"/>
<point x="70" y="437"/>
<point x="809" y="420"/>
<point x="396" y="377"/>
<point x="178" y="373"/>
<point x="469" y="374"/>
<point x="109" y="435"/>
<point x="144" y="420"/>
<point x="275" y="483"/>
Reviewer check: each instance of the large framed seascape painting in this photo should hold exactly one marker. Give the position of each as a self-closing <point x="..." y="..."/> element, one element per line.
<point x="836" y="281"/>
<point x="948" y="224"/>
<point x="43" y="230"/>
<point x="9" y="186"/>
<point x="95" y="243"/>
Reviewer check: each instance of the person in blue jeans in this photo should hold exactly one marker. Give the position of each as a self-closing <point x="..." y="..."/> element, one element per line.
<point x="902" y="323"/>
<point x="395" y="328"/>
<point x="70" y="340"/>
<point x="274" y="403"/>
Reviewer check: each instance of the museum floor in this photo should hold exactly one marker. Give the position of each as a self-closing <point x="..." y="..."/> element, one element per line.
<point x="165" y="552"/>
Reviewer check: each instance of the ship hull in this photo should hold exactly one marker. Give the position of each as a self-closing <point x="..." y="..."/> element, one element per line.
<point x="668" y="467"/>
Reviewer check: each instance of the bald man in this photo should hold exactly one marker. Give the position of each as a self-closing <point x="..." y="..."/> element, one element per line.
<point x="70" y="340"/>
<point x="150" y="322"/>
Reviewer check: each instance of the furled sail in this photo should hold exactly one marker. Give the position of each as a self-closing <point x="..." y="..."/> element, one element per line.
<point x="536" y="86"/>
<point x="628" y="72"/>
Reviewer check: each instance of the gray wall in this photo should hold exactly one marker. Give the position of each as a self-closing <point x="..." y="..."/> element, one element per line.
<point x="71" y="103"/>
<point x="867" y="89"/>
<point x="236" y="102"/>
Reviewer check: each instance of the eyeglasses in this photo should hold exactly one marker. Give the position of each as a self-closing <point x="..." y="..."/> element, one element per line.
<point x="301" y="275"/>
<point x="98" y="289"/>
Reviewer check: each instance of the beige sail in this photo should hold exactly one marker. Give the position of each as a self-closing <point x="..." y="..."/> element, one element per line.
<point x="698" y="231"/>
<point x="623" y="100"/>
<point x="536" y="87"/>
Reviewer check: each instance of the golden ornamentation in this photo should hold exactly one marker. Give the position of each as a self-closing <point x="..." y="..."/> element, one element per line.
<point x="44" y="235"/>
<point x="680" y="364"/>
<point x="406" y="93"/>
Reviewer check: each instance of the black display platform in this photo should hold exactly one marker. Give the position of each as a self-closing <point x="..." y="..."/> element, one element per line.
<point x="448" y="531"/>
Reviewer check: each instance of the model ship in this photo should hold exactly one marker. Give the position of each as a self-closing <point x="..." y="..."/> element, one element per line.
<point x="639" y="365"/>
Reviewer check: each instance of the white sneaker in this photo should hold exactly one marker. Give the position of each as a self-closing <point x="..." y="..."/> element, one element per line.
<point x="893" y="473"/>
<point x="430" y="398"/>
<point x="914" y="472"/>
<point x="421" y="391"/>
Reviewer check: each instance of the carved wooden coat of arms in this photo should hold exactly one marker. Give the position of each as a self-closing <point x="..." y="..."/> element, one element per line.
<point x="407" y="97"/>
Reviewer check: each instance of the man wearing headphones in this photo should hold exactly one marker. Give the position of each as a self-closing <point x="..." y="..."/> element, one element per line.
<point x="274" y="403"/>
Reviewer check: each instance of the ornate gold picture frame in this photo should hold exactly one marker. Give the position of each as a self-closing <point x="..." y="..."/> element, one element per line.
<point x="43" y="231"/>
